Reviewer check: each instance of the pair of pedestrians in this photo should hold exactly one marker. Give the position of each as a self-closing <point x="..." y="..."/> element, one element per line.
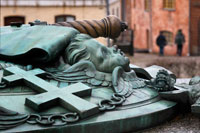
<point x="179" y="41"/>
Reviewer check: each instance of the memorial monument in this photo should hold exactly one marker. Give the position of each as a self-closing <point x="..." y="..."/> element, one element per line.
<point x="57" y="78"/>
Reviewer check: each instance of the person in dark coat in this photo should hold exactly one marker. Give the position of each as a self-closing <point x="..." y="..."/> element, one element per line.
<point x="161" y="42"/>
<point x="179" y="40"/>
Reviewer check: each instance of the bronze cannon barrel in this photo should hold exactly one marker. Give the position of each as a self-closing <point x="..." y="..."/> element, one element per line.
<point x="109" y="26"/>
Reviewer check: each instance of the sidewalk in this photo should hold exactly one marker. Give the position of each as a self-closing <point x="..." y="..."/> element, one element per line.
<point x="182" y="67"/>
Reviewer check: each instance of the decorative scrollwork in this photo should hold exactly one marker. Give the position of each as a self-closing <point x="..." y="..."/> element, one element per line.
<point x="71" y="117"/>
<point x="32" y="118"/>
<point x="3" y="85"/>
<point x="11" y="119"/>
<point x="162" y="82"/>
<point x="58" y="119"/>
<point x="52" y="119"/>
<point x="111" y="104"/>
<point x="45" y="120"/>
<point x="117" y="99"/>
<point x="106" y="105"/>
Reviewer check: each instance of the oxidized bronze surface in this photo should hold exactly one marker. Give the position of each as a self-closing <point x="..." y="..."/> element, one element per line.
<point x="56" y="79"/>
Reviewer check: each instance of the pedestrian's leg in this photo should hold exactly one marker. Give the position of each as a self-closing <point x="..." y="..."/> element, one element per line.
<point x="181" y="47"/>
<point x="179" y="50"/>
<point x="161" y="50"/>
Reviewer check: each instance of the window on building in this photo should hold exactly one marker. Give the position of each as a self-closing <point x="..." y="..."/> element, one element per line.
<point x="169" y="4"/>
<point x="64" y="18"/>
<point x="169" y="36"/>
<point x="146" y="5"/>
<point x="9" y="19"/>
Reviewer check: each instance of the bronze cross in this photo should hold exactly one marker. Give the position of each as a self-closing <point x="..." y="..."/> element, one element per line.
<point x="68" y="97"/>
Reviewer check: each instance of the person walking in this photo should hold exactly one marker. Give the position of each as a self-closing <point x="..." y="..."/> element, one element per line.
<point x="161" y="42"/>
<point x="179" y="40"/>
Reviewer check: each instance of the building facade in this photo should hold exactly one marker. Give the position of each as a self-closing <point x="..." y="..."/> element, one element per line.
<point x="51" y="11"/>
<point x="115" y="8"/>
<point x="149" y="17"/>
<point x="195" y="27"/>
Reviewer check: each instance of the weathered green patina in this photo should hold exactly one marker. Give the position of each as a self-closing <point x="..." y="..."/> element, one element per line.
<point x="34" y="44"/>
<point x="114" y="97"/>
<point x="143" y="109"/>
<point x="186" y="94"/>
<point x="52" y="95"/>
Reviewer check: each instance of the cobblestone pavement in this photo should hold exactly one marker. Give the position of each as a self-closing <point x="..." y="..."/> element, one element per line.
<point x="182" y="123"/>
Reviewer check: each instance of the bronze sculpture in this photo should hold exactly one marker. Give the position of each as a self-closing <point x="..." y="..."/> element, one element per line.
<point x="68" y="57"/>
<point x="105" y="59"/>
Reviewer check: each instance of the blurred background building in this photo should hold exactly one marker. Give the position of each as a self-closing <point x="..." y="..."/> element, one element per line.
<point x="145" y="17"/>
<point x="148" y="17"/>
<point x="51" y="10"/>
<point x="115" y="7"/>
